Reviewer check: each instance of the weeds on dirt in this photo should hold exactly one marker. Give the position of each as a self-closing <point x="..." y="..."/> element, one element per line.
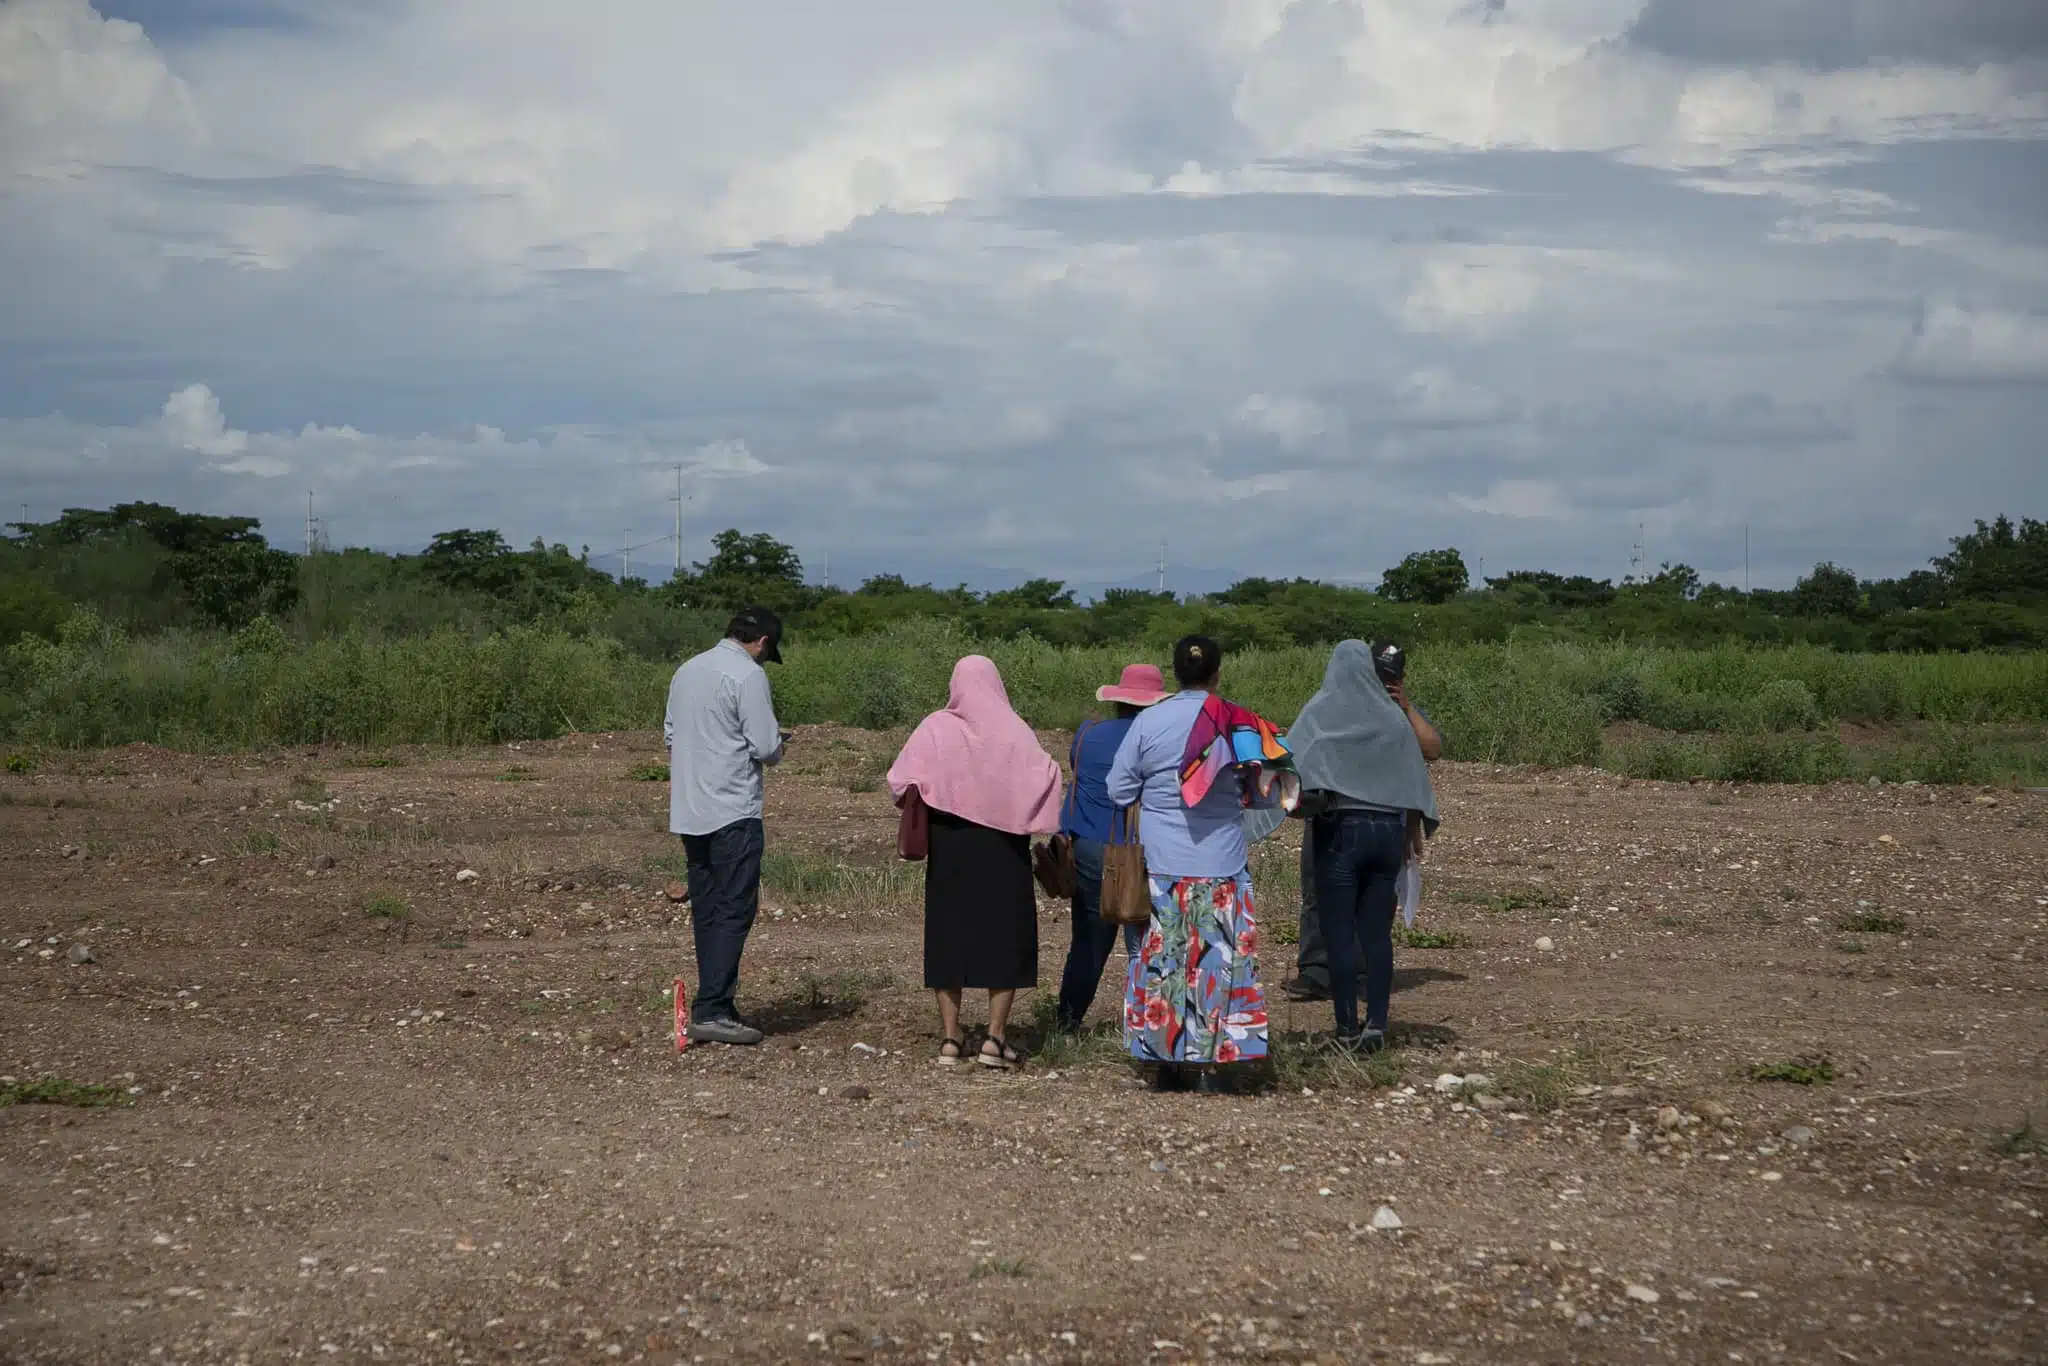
<point x="1850" y="946"/>
<point x="847" y="989"/>
<point x="387" y="906"/>
<point x="1541" y="1087"/>
<point x="649" y="773"/>
<point x="20" y="764"/>
<point x="1302" y="1060"/>
<point x="1872" y="922"/>
<point x="519" y="775"/>
<point x="808" y="878"/>
<point x="1809" y="1071"/>
<point x="1014" y="1267"/>
<point x="1791" y="894"/>
<point x="257" y="843"/>
<point x="1064" y="1050"/>
<point x="2025" y="1141"/>
<point x="1761" y="915"/>
<point x="308" y="789"/>
<point x="1427" y="939"/>
<point x="1513" y="899"/>
<point x="59" y="1091"/>
<point x="1281" y="932"/>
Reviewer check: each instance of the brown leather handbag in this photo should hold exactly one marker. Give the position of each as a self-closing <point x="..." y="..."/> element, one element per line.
<point x="1052" y="863"/>
<point x="913" y="827"/>
<point x="1126" y="888"/>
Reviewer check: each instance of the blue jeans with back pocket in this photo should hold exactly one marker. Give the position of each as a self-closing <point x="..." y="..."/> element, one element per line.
<point x="1358" y="860"/>
<point x="1093" y="937"/>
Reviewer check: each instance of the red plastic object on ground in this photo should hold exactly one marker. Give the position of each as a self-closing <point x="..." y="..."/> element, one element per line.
<point x="682" y="1015"/>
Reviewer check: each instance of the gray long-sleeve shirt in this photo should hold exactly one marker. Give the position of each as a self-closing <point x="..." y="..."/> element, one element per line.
<point x="721" y="732"/>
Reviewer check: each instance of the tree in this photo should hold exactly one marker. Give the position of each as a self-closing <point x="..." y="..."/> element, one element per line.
<point x="475" y="560"/>
<point x="1677" y="582"/>
<point x="1556" y="589"/>
<point x="759" y="556"/>
<point x="1918" y="591"/>
<point x="1998" y="560"/>
<point x="1829" y="591"/>
<point x="1426" y="576"/>
<point x="175" y="531"/>
<point x="231" y="585"/>
<point x="884" y="586"/>
<point x="1040" y="595"/>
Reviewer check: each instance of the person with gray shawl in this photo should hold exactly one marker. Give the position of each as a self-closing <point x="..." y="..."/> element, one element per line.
<point x="1363" y="772"/>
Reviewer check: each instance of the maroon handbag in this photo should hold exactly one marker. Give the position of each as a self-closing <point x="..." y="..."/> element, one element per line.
<point x="914" y="827"/>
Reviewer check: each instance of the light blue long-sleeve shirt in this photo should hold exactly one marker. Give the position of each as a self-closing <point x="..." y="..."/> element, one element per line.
<point x="1206" y="841"/>
<point x="721" y="732"/>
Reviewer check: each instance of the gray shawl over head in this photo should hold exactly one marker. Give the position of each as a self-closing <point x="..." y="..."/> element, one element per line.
<point x="1354" y="740"/>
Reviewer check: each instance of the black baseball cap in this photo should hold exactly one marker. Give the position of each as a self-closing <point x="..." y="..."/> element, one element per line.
<point x="1388" y="662"/>
<point x="758" y="623"/>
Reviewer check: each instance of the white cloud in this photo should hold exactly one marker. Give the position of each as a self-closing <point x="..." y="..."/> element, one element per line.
<point x="1958" y="344"/>
<point x="192" y="418"/>
<point x="1521" y="499"/>
<point x="1292" y="421"/>
<point x="1477" y="294"/>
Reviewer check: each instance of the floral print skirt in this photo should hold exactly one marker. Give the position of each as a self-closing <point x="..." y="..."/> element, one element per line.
<point x="1193" y="994"/>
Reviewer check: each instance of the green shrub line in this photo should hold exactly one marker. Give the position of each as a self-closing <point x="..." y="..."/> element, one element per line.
<point x="1725" y="712"/>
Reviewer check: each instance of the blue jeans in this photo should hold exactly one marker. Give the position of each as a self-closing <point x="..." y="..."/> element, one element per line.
<point x="725" y="896"/>
<point x="1358" y="859"/>
<point x="1093" y="937"/>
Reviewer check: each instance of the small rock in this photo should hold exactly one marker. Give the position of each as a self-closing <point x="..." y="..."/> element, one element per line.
<point x="1159" y="1166"/>
<point x="1798" y="1135"/>
<point x="1622" y="1093"/>
<point x="467" y="875"/>
<point x="855" y="1093"/>
<point x="1985" y="799"/>
<point x="1642" y="1294"/>
<point x="1478" y="1081"/>
<point x="1449" y="1084"/>
<point x="1544" y="945"/>
<point x="1712" y="1111"/>
<point x="677" y="893"/>
<point x="1669" y="1119"/>
<point x="73" y="851"/>
<point x="79" y="955"/>
<point x="1876" y="781"/>
<point x="1584" y="1320"/>
<point x="1493" y="1105"/>
<point x="1886" y="839"/>
<point x="1386" y="1221"/>
<point x="323" y="863"/>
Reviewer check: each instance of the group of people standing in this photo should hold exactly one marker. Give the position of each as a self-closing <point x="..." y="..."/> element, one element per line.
<point x="1194" y="1008"/>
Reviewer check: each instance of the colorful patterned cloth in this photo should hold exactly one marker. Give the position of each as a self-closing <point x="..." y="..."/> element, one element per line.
<point x="1193" y="994"/>
<point x="1227" y="736"/>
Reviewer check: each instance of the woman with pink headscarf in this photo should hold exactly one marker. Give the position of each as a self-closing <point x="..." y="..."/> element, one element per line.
<point x="989" y="787"/>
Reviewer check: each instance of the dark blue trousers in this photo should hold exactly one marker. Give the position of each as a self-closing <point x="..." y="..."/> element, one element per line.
<point x="1358" y="860"/>
<point x="1088" y="954"/>
<point x="725" y="896"/>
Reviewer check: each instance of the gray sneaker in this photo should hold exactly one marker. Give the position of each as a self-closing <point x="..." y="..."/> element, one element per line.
<point x="724" y="1031"/>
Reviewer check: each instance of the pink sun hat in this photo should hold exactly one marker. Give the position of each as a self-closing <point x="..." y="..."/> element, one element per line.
<point x="1141" y="686"/>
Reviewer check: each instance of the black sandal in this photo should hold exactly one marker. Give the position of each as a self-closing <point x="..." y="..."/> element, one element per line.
<point x="945" y="1059"/>
<point x="1005" y="1057"/>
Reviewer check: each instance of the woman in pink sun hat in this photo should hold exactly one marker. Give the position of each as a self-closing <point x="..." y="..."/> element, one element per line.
<point x="1084" y="819"/>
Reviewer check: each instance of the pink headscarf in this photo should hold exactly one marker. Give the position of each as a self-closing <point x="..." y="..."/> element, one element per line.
<point x="978" y="760"/>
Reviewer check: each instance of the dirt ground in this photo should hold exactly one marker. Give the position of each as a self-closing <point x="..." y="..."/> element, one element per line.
<point x="373" y="1111"/>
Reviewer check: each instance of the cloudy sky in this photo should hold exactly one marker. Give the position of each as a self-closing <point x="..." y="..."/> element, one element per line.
<point x="981" y="288"/>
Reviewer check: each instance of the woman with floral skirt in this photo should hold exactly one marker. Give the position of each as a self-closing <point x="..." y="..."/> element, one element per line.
<point x="1192" y="1004"/>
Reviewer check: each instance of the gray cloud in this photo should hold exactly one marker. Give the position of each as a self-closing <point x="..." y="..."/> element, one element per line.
<point x="1842" y="33"/>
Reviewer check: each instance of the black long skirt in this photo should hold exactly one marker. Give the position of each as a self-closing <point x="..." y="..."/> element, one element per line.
<point x="980" y="912"/>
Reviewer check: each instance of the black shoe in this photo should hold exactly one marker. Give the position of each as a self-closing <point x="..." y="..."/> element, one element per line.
<point x="1306" y="989"/>
<point x="1167" y="1078"/>
<point x="724" y="1031"/>
<point x="1363" y="1042"/>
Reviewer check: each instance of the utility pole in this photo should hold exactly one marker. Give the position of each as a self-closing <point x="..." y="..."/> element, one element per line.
<point x="1162" y="567"/>
<point x="828" y="570"/>
<point x="309" y="524"/>
<point x="679" y="521"/>
<point x="1745" y="559"/>
<point x="1635" y="556"/>
<point x="626" y="559"/>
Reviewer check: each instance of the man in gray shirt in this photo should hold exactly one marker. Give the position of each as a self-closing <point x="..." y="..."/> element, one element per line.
<point x="721" y="734"/>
